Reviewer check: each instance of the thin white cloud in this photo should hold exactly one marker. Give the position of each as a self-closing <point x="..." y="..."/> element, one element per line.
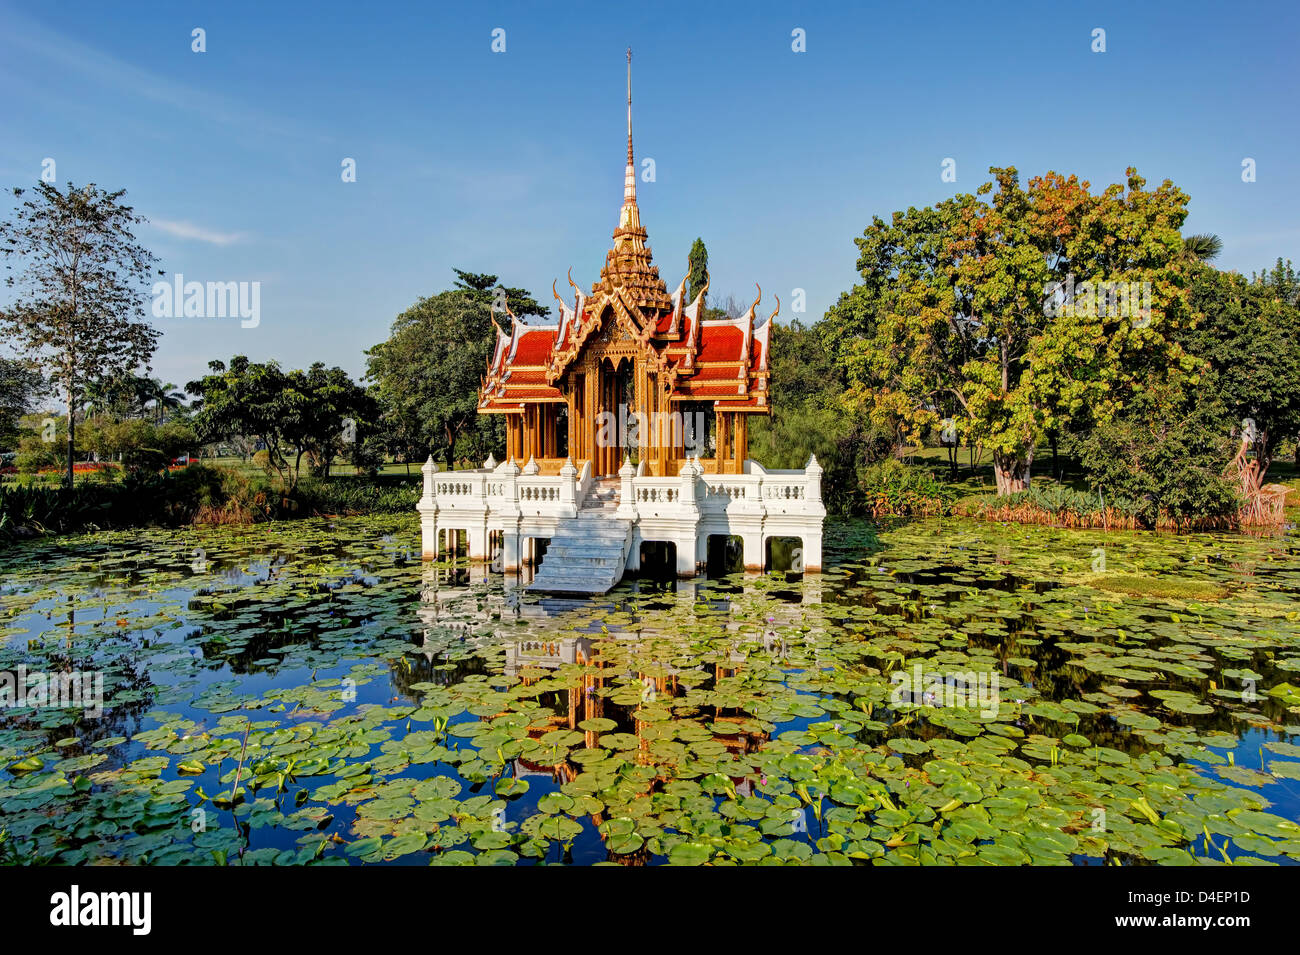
<point x="188" y="230"/>
<point x="70" y="55"/>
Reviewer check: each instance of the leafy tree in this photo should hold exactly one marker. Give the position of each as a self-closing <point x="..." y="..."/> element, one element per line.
<point x="1166" y="453"/>
<point x="20" y="388"/>
<point x="249" y="399"/>
<point x="482" y="288"/>
<point x="137" y="443"/>
<point x="961" y="305"/>
<point x="338" y="415"/>
<point x="427" y="375"/>
<point x="1249" y="333"/>
<point x="83" y="279"/>
<point x="290" y="413"/>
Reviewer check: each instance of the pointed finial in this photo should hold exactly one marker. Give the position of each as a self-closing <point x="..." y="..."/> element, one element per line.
<point x="629" y="179"/>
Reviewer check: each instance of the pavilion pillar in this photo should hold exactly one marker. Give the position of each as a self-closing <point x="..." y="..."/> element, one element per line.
<point x="589" y="410"/>
<point x="598" y="408"/>
<point x="742" y="441"/>
<point x="606" y="452"/>
<point x="575" y="452"/>
<point x="612" y="463"/>
<point x="723" y="452"/>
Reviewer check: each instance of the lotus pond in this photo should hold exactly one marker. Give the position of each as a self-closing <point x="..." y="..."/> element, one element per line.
<point x="307" y="692"/>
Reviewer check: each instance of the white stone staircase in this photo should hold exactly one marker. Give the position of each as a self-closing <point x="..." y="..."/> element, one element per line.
<point x="588" y="554"/>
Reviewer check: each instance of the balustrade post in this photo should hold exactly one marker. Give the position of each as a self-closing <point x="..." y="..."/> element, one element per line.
<point x="429" y="469"/>
<point x="688" y="515"/>
<point x="627" y="491"/>
<point x="568" y="489"/>
<point x="814" y="472"/>
<point x="510" y="513"/>
<point x="688" y="473"/>
<point x="428" y="508"/>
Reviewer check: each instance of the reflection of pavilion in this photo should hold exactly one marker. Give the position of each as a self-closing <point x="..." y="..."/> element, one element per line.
<point x="488" y="613"/>
<point x="626" y="425"/>
<point x="547" y="653"/>
<point x="480" y="612"/>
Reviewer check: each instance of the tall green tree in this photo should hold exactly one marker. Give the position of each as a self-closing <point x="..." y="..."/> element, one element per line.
<point x="1007" y="306"/>
<point x="427" y="374"/>
<point x="82" y="278"/>
<point x="1249" y="334"/>
<point x="699" y="269"/>
<point x="481" y="287"/>
<point x="339" y="415"/>
<point x="1164" y="453"/>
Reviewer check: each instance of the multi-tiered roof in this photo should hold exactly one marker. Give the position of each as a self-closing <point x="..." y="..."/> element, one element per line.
<point x="724" y="361"/>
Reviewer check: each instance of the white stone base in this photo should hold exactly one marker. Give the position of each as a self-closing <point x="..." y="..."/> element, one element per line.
<point x="502" y="509"/>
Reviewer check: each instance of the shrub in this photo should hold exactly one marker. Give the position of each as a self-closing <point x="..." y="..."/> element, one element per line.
<point x="893" y="488"/>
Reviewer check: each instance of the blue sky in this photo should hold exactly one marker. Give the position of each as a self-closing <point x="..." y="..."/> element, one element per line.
<point x="512" y="162"/>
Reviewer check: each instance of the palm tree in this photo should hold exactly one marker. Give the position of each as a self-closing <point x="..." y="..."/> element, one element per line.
<point x="1204" y="247"/>
<point x="166" y="398"/>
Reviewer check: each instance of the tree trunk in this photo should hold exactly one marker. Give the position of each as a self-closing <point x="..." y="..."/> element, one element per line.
<point x="1012" y="472"/>
<point x="1264" y="455"/>
<point x="72" y="430"/>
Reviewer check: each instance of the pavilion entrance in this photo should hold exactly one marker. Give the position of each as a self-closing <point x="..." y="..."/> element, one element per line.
<point x="615" y="404"/>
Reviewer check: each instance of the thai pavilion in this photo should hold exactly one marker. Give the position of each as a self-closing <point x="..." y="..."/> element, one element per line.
<point x="627" y="425"/>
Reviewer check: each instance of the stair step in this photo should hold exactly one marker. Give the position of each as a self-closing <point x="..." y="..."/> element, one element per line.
<point x="587" y="555"/>
<point x="579" y="548"/>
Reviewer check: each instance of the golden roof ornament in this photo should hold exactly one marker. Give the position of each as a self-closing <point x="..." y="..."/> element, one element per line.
<point x="628" y="264"/>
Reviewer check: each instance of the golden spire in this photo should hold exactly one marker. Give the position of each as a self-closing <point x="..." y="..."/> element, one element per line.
<point x="629" y="179"/>
<point x="628" y="263"/>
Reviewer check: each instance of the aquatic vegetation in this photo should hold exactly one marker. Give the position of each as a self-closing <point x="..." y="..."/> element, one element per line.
<point x="948" y="692"/>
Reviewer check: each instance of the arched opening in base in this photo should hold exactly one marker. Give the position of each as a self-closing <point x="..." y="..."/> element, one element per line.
<point x="658" y="561"/>
<point x="725" y="555"/>
<point x="784" y="555"/>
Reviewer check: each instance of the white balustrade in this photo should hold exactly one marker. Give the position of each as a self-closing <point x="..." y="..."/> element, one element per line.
<point x="499" y="497"/>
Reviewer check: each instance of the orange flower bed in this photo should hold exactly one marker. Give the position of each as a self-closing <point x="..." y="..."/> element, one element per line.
<point x="81" y="467"/>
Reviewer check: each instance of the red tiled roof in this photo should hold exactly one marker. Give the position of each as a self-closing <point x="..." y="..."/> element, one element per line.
<point x="534" y="347"/>
<point x="720" y="343"/>
<point x="710" y="361"/>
